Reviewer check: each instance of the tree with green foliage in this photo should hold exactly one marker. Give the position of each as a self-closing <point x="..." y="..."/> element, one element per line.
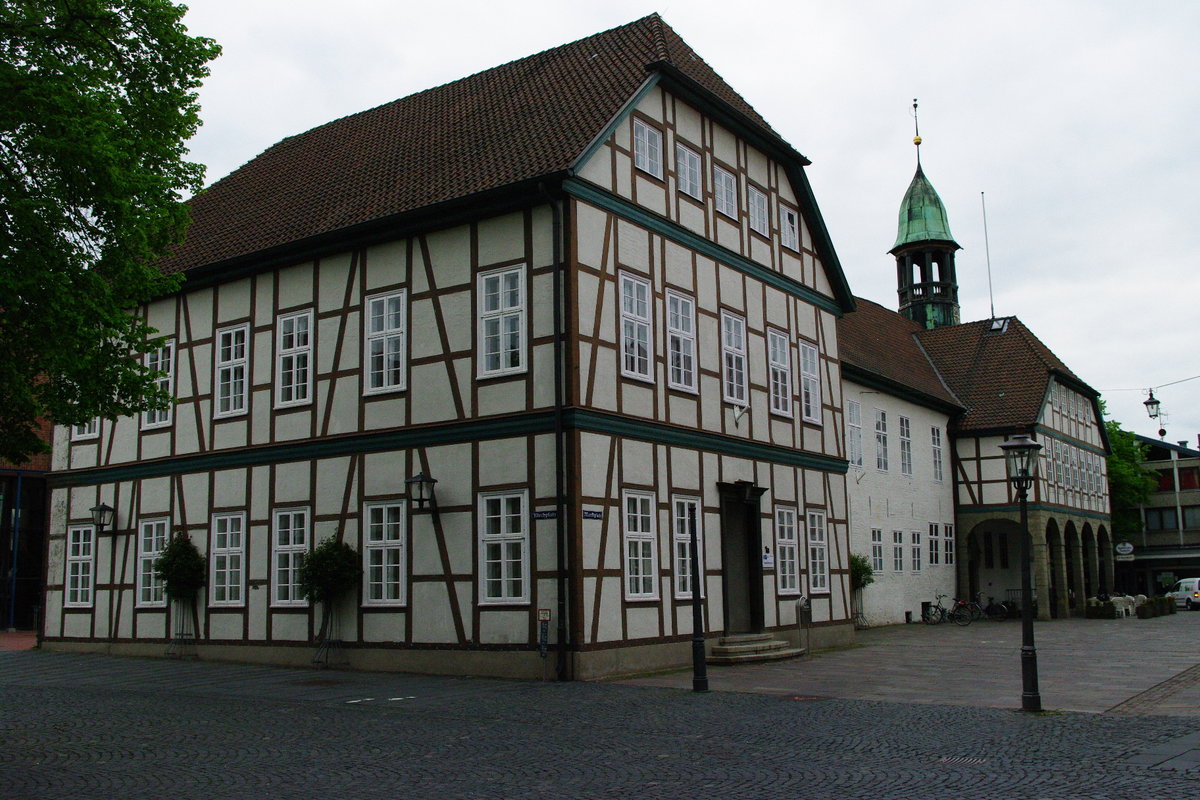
<point x="1130" y="484"/>
<point x="180" y="567"/>
<point x="99" y="98"/>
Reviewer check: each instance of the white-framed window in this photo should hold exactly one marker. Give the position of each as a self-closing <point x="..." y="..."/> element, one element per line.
<point x="502" y="321"/>
<point x="384" y="562"/>
<point x="681" y="342"/>
<point x="881" y="440"/>
<point x="504" y="547"/>
<point x="756" y="202"/>
<point x="935" y="545"/>
<point x="385" y="343"/>
<point x="733" y="358"/>
<point x="897" y="551"/>
<point x="636" y="346"/>
<point x="810" y="383"/>
<point x="854" y="449"/>
<point x="81" y="559"/>
<point x="787" y="551"/>
<point x="916" y="551"/>
<point x="86" y="430"/>
<point x="289" y="543"/>
<point x="779" y="356"/>
<point x="685" y="518"/>
<point x="906" y="467"/>
<point x="641" y="546"/>
<point x="877" y="549"/>
<point x="935" y="443"/>
<point x="948" y="536"/>
<point x="162" y="361"/>
<point x="687" y="168"/>
<point x="293" y="359"/>
<point x="227" y="573"/>
<point x="725" y="192"/>
<point x="231" y="374"/>
<point x="152" y="540"/>
<point x="647" y="148"/>
<point x="789" y="228"/>
<point x="818" y="553"/>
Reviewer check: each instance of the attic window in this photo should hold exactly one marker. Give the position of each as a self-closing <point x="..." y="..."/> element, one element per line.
<point x="647" y="148"/>
<point x="999" y="325"/>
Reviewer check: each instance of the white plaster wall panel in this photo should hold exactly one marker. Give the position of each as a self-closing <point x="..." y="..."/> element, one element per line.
<point x="732" y="286"/>
<point x="197" y="320"/>
<point x="289" y="627"/>
<point x="651" y="195"/>
<point x="728" y="232"/>
<point x="685" y="470"/>
<point x="384" y="627"/>
<point x="264" y="299"/>
<point x="589" y="233"/>
<point x="294" y="425"/>
<point x="192" y="507"/>
<point x="224" y="626"/>
<point x="692" y="217"/>
<point x="542" y="367"/>
<point x="344" y="397"/>
<point x="624" y="167"/>
<point x="451" y="464"/>
<point x="783" y="484"/>
<point x="683" y="409"/>
<point x="711" y="412"/>
<point x="76" y="504"/>
<point x="805" y="317"/>
<point x="256" y="492"/>
<point x="292" y="483"/>
<point x="385" y="412"/>
<point x="331" y="485"/>
<point x="499" y="397"/>
<point x="503" y="626"/>
<point x="541" y="317"/>
<point x="295" y="287"/>
<point x="434" y="400"/>
<point x="230" y="488"/>
<point x="154" y="497"/>
<point x="637" y="399"/>
<point x="642" y="621"/>
<point x="386" y="265"/>
<point x="327" y="332"/>
<point x="333" y="273"/>
<point x="233" y="300"/>
<point x="82" y="455"/>
<point x="758" y="167"/>
<point x="724" y="145"/>
<point x="502" y="462"/>
<point x="792" y="265"/>
<point x="594" y="455"/>
<point x="501" y="239"/>
<point x="590" y="532"/>
<point x="432" y="619"/>
<point x="610" y="628"/>
<point x="677" y="267"/>
<point x="157" y="444"/>
<point x="706" y="283"/>
<point x="734" y="469"/>
<point x="821" y="279"/>
<point x="687" y="123"/>
<point x="604" y="389"/>
<point x="637" y="463"/>
<point x="782" y="431"/>
<point x="161" y="316"/>
<point x="651" y="104"/>
<point x="598" y="169"/>
<point x="424" y="340"/>
<point x="633" y="249"/>
<point x="762" y="250"/>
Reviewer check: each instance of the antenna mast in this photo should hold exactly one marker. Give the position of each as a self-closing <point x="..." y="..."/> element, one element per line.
<point x="987" y="250"/>
<point x="917" y="132"/>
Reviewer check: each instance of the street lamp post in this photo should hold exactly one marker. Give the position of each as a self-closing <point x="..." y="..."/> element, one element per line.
<point x="699" y="666"/>
<point x="1021" y="461"/>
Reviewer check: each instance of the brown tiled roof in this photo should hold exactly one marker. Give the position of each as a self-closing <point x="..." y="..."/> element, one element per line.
<point x="516" y="122"/>
<point x="1001" y="376"/>
<point x="881" y="344"/>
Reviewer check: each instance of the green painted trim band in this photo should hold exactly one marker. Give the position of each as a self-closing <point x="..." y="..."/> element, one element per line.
<point x="1056" y="511"/>
<point x="680" y="235"/>
<point x="450" y="433"/>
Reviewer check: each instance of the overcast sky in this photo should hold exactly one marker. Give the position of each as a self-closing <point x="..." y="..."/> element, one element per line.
<point x="1077" y="119"/>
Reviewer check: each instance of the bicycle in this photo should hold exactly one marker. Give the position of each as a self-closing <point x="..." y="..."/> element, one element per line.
<point x="996" y="611"/>
<point x="935" y="612"/>
<point x="960" y="612"/>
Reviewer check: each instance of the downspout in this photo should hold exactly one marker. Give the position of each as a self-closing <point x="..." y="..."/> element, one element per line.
<point x="560" y="444"/>
<point x="16" y="546"/>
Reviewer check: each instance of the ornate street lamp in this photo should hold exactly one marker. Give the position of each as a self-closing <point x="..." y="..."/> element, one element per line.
<point x="1021" y="461"/>
<point x="102" y="516"/>
<point x="1152" y="406"/>
<point x="420" y="492"/>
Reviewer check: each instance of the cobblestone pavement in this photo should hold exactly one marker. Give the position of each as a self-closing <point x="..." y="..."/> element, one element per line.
<point x="89" y="726"/>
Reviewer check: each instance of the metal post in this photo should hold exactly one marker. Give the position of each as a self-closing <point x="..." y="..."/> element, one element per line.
<point x="1031" y="698"/>
<point x="699" y="666"/>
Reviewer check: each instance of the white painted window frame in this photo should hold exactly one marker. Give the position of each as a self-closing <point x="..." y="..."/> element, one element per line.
<point x="689" y="172"/>
<point x="80" y="581"/>
<point x="291" y="532"/>
<point x="230" y="370"/>
<point x="725" y="192"/>
<point x="789" y="228"/>
<point x="734" y="388"/>
<point x="757" y="208"/>
<point x="935" y="446"/>
<point x="681" y="342"/>
<point x="647" y="148"/>
<point x="385" y="553"/>
<point x="385" y="327"/>
<point x="897" y="551"/>
<point x="153" y="535"/>
<point x="161" y="360"/>
<point x="85" y="431"/>
<point x="854" y="440"/>
<point x="637" y="305"/>
<point x="818" y="552"/>
<point x="877" y="549"/>
<point x="639" y="517"/>
<point x="505" y="312"/>
<point x="294" y="356"/>
<point x="810" y="383"/>
<point x="948" y="538"/>
<point x="227" y="560"/>
<point x="906" y="459"/>
<point x="881" y="440"/>
<point x="779" y="367"/>
<point x="917" y="552"/>
<point x="787" y="551"/>
<point x="504" y="538"/>
<point x="934" y="543"/>
<point x="686" y="509"/>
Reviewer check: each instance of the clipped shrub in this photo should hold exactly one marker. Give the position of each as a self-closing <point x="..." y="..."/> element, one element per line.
<point x="861" y="573"/>
<point x="330" y="570"/>
<point x="180" y="567"/>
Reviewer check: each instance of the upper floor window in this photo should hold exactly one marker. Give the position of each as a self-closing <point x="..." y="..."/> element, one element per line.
<point x="641" y="546"/>
<point x="152" y="540"/>
<point x="725" y="192"/>
<point x="756" y="202"/>
<point x="854" y="449"/>
<point x="877" y="549"/>
<point x="635" y="327"/>
<point x="916" y="551"/>
<point x="935" y="440"/>
<point x="906" y="466"/>
<point x="935" y="545"/>
<point x="162" y="361"/>
<point x="733" y="356"/>
<point x="881" y="440"/>
<point x="780" y="363"/>
<point x="687" y="167"/>
<point x="293" y="359"/>
<point x="789" y="228"/>
<point x="384" y="563"/>
<point x="948" y="535"/>
<point x="502" y="321"/>
<point x="386" y="335"/>
<point x="818" y="553"/>
<point x="681" y="342"/>
<point x="227" y="579"/>
<point x="81" y="540"/>
<point x="897" y="551"/>
<point x="504" y="547"/>
<point x="810" y="383"/>
<point x="289" y="543"/>
<point x="86" y="430"/>
<point x="231" y="378"/>
<point x="647" y="148"/>
<point x="685" y="521"/>
<point x="787" y="556"/>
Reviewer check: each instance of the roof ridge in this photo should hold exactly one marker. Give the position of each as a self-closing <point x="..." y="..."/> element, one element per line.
<point x="660" y="39"/>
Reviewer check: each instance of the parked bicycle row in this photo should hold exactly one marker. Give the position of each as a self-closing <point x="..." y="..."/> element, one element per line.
<point x="963" y="612"/>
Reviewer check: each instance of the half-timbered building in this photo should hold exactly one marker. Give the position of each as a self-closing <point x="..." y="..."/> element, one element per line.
<point x="589" y="291"/>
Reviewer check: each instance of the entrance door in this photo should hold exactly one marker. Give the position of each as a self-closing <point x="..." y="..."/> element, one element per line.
<point x="741" y="570"/>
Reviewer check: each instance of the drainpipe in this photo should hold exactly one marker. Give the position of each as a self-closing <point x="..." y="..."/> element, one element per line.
<point x="16" y="546"/>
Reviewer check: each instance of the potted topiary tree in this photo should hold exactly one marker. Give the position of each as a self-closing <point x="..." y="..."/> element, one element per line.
<point x="331" y="570"/>
<point x="861" y="576"/>
<point x="180" y="568"/>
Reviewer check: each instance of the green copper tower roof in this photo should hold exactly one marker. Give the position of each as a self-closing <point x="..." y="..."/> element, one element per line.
<point x="922" y="215"/>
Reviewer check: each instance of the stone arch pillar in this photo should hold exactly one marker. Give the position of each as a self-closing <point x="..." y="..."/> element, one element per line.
<point x="1108" y="577"/>
<point x="1092" y="555"/>
<point x="1040" y="567"/>
<point x="1058" y="569"/>
<point x="1074" y="545"/>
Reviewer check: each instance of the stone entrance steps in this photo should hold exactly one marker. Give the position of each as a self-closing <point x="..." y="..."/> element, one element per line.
<point x="751" y="648"/>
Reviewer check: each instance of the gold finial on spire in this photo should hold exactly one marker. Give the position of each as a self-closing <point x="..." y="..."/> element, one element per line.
<point x="917" y="130"/>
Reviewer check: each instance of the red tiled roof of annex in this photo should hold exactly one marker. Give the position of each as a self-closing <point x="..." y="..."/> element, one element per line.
<point x="512" y="123"/>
